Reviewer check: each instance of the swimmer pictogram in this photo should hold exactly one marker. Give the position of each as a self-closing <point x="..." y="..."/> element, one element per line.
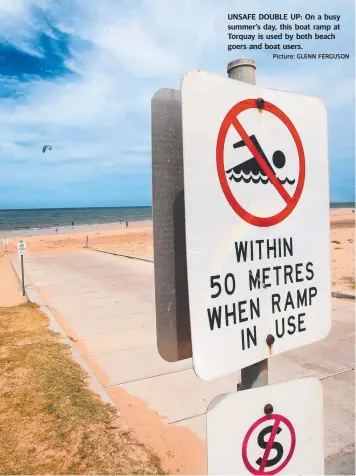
<point x="251" y="170"/>
<point x="259" y="168"/>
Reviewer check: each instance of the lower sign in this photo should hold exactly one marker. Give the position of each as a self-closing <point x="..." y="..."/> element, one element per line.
<point x="242" y="439"/>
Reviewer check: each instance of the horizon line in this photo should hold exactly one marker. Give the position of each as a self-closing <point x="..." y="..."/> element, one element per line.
<point x="351" y="203"/>
<point x="76" y="208"/>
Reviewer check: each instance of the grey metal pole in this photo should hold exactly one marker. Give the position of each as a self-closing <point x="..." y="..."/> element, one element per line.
<point x="256" y="375"/>
<point x="23" y="276"/>
<point x="86" y="241"/>
<point x="242" y="69"/>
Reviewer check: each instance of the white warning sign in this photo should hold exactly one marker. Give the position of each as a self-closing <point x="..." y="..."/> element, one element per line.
<point x="256" y="191"/>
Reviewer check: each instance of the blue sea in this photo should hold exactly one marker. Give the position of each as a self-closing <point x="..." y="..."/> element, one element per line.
<point x="343" y="205"/>
<point x="33" y="219"/>
<point x="36" y="219"/>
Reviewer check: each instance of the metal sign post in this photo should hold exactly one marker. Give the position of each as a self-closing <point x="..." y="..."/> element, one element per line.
<point x="255" y="375"/>
<point x="237" y="279"/>
<point x="21" y="251"/>
<point x="23" y="276"/>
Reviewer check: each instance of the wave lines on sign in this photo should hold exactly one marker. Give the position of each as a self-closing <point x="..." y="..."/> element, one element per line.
<point x="250" y="177"/>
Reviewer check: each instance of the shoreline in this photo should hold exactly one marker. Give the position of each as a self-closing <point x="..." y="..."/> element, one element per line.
<point x="74" y="229"/>
<point x="137" y="241"/>
<point x="339" y="217"/>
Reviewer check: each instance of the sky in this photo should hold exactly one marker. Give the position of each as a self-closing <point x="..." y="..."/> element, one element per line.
<point x="80" y="74"/>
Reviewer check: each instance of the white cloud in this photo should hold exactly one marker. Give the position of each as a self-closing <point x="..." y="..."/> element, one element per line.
<point x="122" y="52"/>
<point x="314" y="84"/>
<point x="125" y="43"/>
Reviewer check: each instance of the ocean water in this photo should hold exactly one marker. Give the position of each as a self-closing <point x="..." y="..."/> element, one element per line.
<point x="33" y="219"/>
<point x="63" y="217"/>
<point x="343" y="205"/>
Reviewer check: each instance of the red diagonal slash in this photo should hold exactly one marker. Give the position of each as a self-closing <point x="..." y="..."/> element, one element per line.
<point x="269" y="444"/>
<point x="245" y="137"/>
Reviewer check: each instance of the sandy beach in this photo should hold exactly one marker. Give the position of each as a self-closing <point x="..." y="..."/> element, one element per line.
<point x="342" y="243"/>
<point x="137" y="240"/>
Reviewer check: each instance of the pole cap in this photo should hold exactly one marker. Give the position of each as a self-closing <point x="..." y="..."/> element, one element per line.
<point x="241" y="62"/>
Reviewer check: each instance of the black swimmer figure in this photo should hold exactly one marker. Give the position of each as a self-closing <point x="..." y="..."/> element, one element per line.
<point x="252" y="169"/>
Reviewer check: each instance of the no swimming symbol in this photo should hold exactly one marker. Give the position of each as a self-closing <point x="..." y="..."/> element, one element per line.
<point x="263" y="439"/>
<point x="258" y="168"/>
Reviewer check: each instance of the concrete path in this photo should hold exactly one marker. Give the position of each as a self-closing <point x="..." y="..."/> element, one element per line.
<point x="106" y="304"/>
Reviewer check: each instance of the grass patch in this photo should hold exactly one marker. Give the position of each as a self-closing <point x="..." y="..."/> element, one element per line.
<point x="336" y="242"/>
<point x="50" y="421"/>
<point x="350" y="281"/>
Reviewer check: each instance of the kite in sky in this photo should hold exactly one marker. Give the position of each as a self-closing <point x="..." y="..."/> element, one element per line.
<point x="45" y="147"/>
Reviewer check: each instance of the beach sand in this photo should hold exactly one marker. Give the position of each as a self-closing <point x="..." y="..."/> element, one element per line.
<point x="10" y="289"/>
<point x="342" y="243"/>
<point x="137" y="240"/>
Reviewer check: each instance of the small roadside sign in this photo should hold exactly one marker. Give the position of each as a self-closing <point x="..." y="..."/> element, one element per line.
<point x="5" y="241"/>
<point x="267" y="430"/>
<point x="21" y="248"/>
<point x="256" y="191"/>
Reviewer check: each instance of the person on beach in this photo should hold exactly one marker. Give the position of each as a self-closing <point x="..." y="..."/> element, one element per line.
<point x="127" y="224"/>
<point x="73" y="224"/>
<point x="56" y="228"/>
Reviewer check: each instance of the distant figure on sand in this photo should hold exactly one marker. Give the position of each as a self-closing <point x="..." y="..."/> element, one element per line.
<point x="127" y="224"/>
<point x="56" y="228"/>
<point x="73" y="223"/>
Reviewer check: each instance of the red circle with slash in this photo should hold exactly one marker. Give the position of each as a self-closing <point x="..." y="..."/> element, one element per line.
<point x="231" y="119"/>
<point x="276" y="420"/>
